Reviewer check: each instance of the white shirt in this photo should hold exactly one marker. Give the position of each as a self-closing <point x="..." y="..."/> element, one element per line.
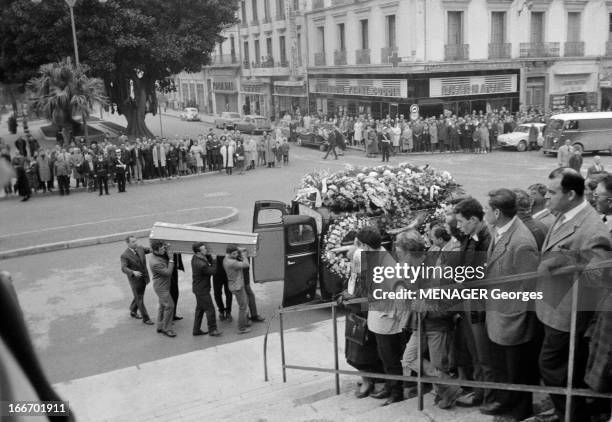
<point x="540" y="213"/>
<point x="499" y="231"/>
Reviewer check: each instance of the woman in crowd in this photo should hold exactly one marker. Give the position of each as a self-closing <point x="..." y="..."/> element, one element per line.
<point x="261" y="152"/>
<point x="44" y="170"/>
<point x="240" y="157"/>
<point x="198" y="152"/>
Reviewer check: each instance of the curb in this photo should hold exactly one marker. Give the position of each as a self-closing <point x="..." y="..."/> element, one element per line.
<point x="109" y="238"/>
<point x="144" y="182"/>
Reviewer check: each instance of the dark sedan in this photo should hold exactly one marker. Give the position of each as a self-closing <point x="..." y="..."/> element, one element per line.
<point x="314" y="137"/>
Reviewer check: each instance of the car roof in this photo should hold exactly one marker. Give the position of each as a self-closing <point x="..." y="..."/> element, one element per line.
<point x="255" y="116"/>
<point x="190" y="109"/>
<point x="534" y="123"/>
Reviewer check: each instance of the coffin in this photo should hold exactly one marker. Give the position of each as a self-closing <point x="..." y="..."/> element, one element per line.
<point x="181" y="237"/>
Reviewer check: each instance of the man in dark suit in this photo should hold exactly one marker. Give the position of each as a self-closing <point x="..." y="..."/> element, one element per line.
<point x="470" y="214"/>
<point x="203" y="266"/>
<point x="330" y="136"/>
<point x="511" y="328"/>
<point x="134" y="265"/>
<point x="578" y="236"/>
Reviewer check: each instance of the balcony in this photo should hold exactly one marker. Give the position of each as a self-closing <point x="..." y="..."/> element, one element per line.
<point x="267" y="19"/>
<point x="246" y="64"/>
<point x="362" y="56"/>
<point x="609" y="48"/>
<point x="386" y="53"/>
<point x="339" y="57"/>
<point x="574" y="49"/>
<point x="540" y="49"/>
<point x="500" y="51"/>
<point x="454" y="52"/>
<point x="224" y="60"/>
<point x="319" y="59"/>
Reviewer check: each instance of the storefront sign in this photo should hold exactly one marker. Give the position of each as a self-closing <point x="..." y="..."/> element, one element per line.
<point x="573" y="83"/>
<point x="472" y="85"/>
<point x="396" y="88"/>
<point x="226" y="86"/>
<point x="290" y="90"/>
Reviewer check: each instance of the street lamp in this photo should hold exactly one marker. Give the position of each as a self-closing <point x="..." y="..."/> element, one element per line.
<point x="71" y="4"/>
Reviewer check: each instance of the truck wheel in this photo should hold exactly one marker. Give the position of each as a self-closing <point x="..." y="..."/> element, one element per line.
<point x="578" y="147"/>
<point x="522" y="146"/>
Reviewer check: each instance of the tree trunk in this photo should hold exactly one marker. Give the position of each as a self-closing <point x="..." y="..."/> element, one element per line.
<point x="85" y="130"/>
<point x="135" y="111"/>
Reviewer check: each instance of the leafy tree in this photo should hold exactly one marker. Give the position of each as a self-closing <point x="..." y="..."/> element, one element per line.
<point x="133" y="45"/>
<point x="62" y="90"/>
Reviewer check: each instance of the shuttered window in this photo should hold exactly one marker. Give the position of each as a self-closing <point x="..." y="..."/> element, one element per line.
<point x="537" y="27"/>
<point x="455" y="28"/>
<point x="498" y="27"/>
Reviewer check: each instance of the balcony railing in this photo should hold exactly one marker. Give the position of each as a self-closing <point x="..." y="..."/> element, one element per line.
<point x="319" y="59"/>
<point x="255" y="22"/>
<point x="246" y="64"/>
<point x="540" y="49"/>
<point x="454" y="52"/>
<point x="224" y="59"/>
<point x="500" y="51"/>
<point x="339" y="57"/>
<point x="385" y="53"/>
<point x="362" y="56"/>
<point x="574" y="49"/>
<point x="267" y="19"/>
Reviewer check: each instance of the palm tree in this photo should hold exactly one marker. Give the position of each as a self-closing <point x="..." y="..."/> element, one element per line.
<point x="62" y="90"/>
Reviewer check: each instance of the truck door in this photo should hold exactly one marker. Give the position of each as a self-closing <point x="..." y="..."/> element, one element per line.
<point x="301" y="259"/>
<point x="269" y="264"/>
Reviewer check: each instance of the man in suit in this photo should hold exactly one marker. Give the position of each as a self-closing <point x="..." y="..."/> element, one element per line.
<point x="203" y="266"/>
<point x="469" y="214"/>
<point x="564" y="153"/>
<point x="539" y="209"/>
<point x="596" y="168"/>
<point x="523" y="211"/>
<point x="330" y="136"/>
<point x="511" y="328"/>
<point x="134" y="265"/>
<point x="577" y="236"/>
<point x="161" y="270"/>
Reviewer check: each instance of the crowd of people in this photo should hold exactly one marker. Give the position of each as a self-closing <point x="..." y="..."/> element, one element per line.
<point x="119" y="162"/>
<point x="228" y="276"/>
<point x="540" y="229"/>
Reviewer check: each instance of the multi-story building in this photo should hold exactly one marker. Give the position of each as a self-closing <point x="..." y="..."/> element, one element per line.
<point x="381" y="56"/>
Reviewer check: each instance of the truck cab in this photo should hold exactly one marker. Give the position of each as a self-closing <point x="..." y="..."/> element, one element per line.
<point x="290" y="239"/>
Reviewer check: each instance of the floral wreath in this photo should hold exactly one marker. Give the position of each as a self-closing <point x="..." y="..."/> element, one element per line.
<point x="338" y="263"/>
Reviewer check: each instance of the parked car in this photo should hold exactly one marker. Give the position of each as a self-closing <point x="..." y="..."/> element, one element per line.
<point x="253" y="124"/>
<point x="519" y="139"/>
<point x="314" y="138"/>
<point x="227" y="120"/>
<point x="190" y="114"/>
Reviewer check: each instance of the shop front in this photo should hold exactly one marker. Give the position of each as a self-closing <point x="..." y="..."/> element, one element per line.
<point x="225" y="95"/>
<point x="256" y="97"/>
<point x="290" y="97"/>
<point x="576" y="90"/>
<point x="605" y="88"/>
<point x="353" y="97"/>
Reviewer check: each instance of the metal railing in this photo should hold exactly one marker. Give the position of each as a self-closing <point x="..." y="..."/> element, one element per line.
<point x="574" y="49"/>
<point x="319" y="59"/>
<point x="224" y="59"/>
<point x="539" y="49"/>
<point x="362" y="56"/>
<point x="339" y="57"/>
<point x="386" y="53"/>
<point x="500" y="51"/>
<point x="568" y="391"/>
<point x="454" y="52"/>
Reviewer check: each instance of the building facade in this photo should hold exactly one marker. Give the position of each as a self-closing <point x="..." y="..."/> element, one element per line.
<point x="379" y="56"/>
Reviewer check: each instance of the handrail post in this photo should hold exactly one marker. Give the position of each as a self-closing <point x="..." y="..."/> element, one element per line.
<point x="282" y="340"/>
<point x="420" y="363"/>
<point x="572" y="348"/>
<point x="336" y="366"/>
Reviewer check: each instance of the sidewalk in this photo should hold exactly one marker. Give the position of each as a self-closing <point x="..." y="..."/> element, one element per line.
<point x="226" y="383"/>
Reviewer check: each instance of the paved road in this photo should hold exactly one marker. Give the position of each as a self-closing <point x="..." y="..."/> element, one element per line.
<point x="76" y="301"/>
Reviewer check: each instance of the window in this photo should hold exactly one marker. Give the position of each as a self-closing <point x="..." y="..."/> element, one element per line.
<point x="268" y="216"/>
<point x="257" y="52"/>
<point x="364" y="34"/>
<point x="498" y="27"/>
<point x="254" y="7"/>
<point x="243" y="11"/>
<point x="455" y="28"/>
<point x="391" y="31"/>
<point x="537" y="27"/>
<point x="267" y="10"/>
<point x="246" y="51"/>
<point x="300" y="234"/>
<point x="296" y="5"/>
<point x="341" y="39"/>
<point x="280" y="9"/>
<point x="232" y="46"/>
<point x="321" y="39"/>
<point x="610" y="26"/>
<point x="269" y="47"/>
<point x="283" y="49"/>
<point x="573" y="26"/>
<point x="221" y="48"/>
<point x="299" y="48"/>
